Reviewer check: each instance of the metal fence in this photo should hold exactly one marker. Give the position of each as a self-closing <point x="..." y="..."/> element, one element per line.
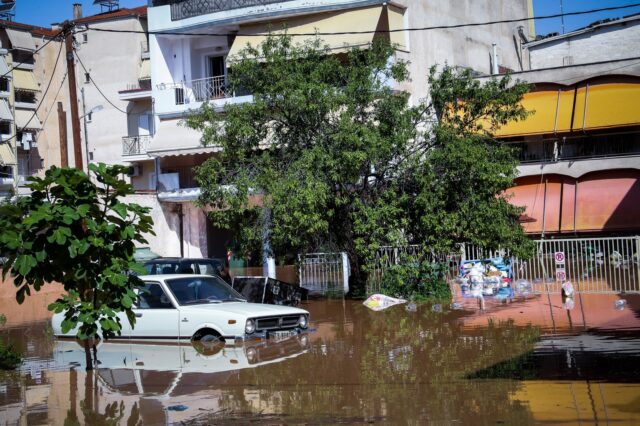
<point x="135" y="145"/>
<point x="182" y="9"/>
<point x="324" y="273"/>
<point x="389" y="256"/>
<point x="593" y="265"/>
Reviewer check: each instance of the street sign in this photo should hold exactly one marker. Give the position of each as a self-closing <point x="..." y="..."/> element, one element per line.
<point x="561" y="275"/>
<point x="559" y="257"/>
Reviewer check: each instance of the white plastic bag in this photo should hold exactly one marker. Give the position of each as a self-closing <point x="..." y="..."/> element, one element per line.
<point x="378" y="302"/>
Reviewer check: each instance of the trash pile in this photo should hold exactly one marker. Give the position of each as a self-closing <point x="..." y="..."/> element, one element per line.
<point x="487" y="277"/>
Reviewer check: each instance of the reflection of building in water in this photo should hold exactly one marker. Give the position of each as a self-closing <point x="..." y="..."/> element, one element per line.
<point x="548" y="313"/>
<point x="565" y="402"/>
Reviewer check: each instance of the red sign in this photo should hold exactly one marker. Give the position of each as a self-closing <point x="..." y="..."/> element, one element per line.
<point x="559" y="257"/>
<point x="561" y="275"/>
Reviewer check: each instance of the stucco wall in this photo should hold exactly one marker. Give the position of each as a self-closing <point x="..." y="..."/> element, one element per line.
<point x="464" y="47"/>
<point x="113" y="61"/>
<point x="166" y="242"/>
<point x="602" y="44"/>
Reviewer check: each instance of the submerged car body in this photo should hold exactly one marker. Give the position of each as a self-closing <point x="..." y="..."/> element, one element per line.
<point x="199" y="307"/>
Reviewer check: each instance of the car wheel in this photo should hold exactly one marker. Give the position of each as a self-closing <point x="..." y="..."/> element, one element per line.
<point x="207" y="336"/>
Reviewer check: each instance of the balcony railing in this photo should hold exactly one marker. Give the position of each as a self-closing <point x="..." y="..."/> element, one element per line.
<point x="183" y="9"/>
<point x="135" y="145"/>
<point x="199" y="90"/>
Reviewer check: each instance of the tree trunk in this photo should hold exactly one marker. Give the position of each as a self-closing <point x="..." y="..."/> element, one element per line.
<point x="87" y="354"/>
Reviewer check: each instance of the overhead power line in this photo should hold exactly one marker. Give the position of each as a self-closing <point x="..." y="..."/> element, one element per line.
<point x="17" y="64"/>
<point x="44" y="94"/>
<point x="96" y="86"/>
<point x="436" y="27"/>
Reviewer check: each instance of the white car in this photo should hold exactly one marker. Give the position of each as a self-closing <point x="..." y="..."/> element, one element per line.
<point x="201" y="307"/>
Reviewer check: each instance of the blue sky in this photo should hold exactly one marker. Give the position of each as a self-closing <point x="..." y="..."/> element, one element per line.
<point x="45" y="12"/>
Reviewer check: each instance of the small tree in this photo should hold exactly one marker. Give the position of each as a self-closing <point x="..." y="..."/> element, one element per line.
<point x="344" y="163"/>
<point x="78" y="233"/>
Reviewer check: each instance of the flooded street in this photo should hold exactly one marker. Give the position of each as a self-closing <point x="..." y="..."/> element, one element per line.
<point x="524" y="362"/>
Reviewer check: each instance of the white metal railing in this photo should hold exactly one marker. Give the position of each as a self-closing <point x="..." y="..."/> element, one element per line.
<point x="324" y="272"/>
<point x="388" y="256"/>
<point x="182" y="9"/>
<point x="135" y="145"/>
<point x="593" y="265"/>
<point x="199" y="90"/>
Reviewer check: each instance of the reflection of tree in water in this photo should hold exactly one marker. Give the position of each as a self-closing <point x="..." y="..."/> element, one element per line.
<point x="109" y="415"/>
<point x="395" y="365"/>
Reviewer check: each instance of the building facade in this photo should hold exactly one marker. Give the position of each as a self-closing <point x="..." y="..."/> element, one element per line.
<point x="580" y="150"/>
<point x="188" y="70"/>
<point x="26" y="147"/>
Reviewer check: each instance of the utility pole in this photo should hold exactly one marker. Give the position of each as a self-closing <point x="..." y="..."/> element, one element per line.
<point x="86" y="132"/>
<point x="62" y="127"/>
<point x="67" y="28"/>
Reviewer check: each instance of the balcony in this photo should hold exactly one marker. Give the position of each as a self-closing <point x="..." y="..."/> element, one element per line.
<point x="200" y="90"/>
<point x="136" y="91"/>
<point x="183" y="9"/>
<point x="135" y="146"/>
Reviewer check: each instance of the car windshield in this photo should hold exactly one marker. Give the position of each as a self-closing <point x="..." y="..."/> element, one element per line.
<point x="195" y="290"/>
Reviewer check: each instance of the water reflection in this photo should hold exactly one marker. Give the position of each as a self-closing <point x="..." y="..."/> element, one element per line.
<point x="521" y="361"/>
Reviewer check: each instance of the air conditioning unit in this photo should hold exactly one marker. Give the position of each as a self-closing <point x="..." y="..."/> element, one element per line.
<point x="134" y="170"/>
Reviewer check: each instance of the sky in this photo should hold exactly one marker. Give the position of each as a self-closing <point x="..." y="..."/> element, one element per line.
<point x="45" y="12"/>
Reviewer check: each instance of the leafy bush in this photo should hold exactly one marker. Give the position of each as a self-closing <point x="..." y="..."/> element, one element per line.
<point x="416" y="280"/>
<point x="9" y="359"/>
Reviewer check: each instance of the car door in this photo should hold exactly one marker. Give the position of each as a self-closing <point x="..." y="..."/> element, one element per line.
<point x="156" y="316"/>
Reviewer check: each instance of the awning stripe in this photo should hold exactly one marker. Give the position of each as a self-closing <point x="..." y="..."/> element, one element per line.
<point x="5" y="112"/>
<point x="357" y="20"/>
<point x="24" y="120"/>
<point x="21" y="40"/>
<point x="25" y="80"/>
<point x="586" y="107"/>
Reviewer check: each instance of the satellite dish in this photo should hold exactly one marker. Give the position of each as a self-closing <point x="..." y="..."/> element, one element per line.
<point x="7" y="9"/>
<point x="107" y="5"/>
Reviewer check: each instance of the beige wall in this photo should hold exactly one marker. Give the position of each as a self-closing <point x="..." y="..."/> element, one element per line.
<point x="49" y="137"/>
<point x="468" y="47"/>
<point x="113" y="61"/>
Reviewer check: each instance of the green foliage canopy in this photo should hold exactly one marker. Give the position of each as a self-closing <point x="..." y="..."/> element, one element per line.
<point x="329" y="156"/>
<point x="79" y="233"/>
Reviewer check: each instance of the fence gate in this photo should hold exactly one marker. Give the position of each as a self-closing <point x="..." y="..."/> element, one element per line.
<point x="323" y="273"/>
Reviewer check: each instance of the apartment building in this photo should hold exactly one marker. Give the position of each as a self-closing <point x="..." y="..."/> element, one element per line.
<point x="188" y="70"/>
<point x="26" y="146"/>
<point x="580" y="150"/>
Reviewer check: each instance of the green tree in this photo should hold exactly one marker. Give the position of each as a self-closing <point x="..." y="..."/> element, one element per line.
<point x="77" y="231"/>
<point x="329" y="156"/>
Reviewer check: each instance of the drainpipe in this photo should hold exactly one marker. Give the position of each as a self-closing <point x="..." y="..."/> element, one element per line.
<point x="494" y="59"/>
<point x="181" y="225"/>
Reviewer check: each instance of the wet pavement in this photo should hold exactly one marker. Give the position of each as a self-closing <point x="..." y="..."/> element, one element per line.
<point x="525" y="361"/>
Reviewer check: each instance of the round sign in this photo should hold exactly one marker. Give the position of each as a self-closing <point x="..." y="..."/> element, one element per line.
<point x="559" y="255"/>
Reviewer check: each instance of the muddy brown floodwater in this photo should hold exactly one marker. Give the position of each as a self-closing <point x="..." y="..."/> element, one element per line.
<point x="524" y="362"/>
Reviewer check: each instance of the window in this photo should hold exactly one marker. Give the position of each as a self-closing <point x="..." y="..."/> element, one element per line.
<point x="85" y="37"/>
<point x="25" y="96"/>
<point x="151" y="296"/>
<point x="6" y="128"/>
<point x="87" y="77"/>
<point x="4" y="85"/>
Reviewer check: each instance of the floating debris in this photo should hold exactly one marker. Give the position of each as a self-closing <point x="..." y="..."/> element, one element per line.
<point x="378" y="302"/>
<point x="177" y="407"/>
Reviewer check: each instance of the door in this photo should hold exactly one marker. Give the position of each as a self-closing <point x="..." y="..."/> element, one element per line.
<point x="156" y="317"/>
<point x="144" y="125"/>
<point x="216" y="84"/>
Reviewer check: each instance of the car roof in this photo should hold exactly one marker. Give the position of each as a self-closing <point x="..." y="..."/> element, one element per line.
<point x="181" y="259"/>
<point x="171" y="276"/>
